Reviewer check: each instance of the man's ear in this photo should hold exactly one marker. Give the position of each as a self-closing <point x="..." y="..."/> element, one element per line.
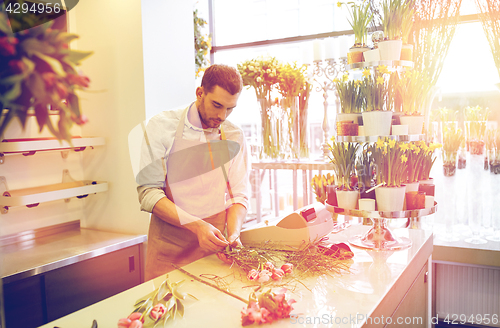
<point x="199" y="92"/>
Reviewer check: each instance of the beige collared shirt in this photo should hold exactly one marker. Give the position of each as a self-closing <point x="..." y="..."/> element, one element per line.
<point x="160" y="134"/>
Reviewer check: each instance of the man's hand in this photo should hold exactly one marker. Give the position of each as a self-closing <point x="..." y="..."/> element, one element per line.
<point x="234" y="240"/>
<point x="209" y="237"/>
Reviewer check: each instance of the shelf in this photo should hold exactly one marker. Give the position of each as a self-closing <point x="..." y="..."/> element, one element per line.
<point x="389" y="63"/>
<point x="31" y="197"/>
<point x="31" y="146"/>
<point x="411" y="137"/>
<point x="382" y="214"/>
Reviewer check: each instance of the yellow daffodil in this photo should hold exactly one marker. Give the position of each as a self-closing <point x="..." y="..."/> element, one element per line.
<point x="382" y="69"/>
<point x="345" y="77"/>
<point x="380" y="143"/>
<point x="366" y="72"/>
<point x="404" y="146"/>
<point x="416" y="150"/>
<point x="336" y="80"/>
<point x="339" y="4"/>
<point x="380" y="80"/>
<point x="392" y="143"/>
<point x="404" y="158"/>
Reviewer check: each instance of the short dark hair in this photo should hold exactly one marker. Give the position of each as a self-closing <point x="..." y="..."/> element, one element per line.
<point x="224" y="76"/>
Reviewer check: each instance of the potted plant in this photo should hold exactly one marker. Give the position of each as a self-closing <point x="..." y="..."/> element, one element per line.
<point x="351" y="103"/>
<point x="364" y="171"/>
<point x="390" y="167"/>
<point x="390" y="48"/>
<point x="343" y="158"/>
<point x="452" y="140"/>
<point x="413" y="163"/>
<point x="360" y="17"/>
<point x="407" y="12"/>
<point x="475" y="126"/>
<point x="377" y="117"/>
<point x="411" y="88"/>
<point x="427" y="152"/>
<point x="39" y="74"/>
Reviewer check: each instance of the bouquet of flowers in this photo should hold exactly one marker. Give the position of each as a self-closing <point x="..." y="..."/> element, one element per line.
<point x="39" y="72"/>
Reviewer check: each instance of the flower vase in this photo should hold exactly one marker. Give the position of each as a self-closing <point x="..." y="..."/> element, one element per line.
<point x="415" y="123"/>
<point x="390" y="199"/>
<point x="377" y="123"/>
<point x="303" y="133"/>
<point x="347" y="199"/>
<point x="290" y="138"/>
<point x="268" y="131"/>
<point x="390" y="49"/>
<point x="449" y="163"/>
<point x="476" y="147"/>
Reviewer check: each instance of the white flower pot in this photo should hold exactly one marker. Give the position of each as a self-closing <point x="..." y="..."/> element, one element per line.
<point x="390" y="49"/>
<point x="412" y="186"/>
<point x="415" y="123"/>
<point x="347" y="199"/>
<point x="377" y="123"/>
<point x="390" y="199"/>
<point x="371" y="55"/>
<point x="354" y="117"/>
<point x="399" y="130"/>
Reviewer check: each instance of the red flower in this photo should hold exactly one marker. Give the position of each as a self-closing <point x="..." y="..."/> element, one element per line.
<point x="136" y="324"/>
<point x="158" y="311"/>
<point x="278" y="274"/>
<point x="49" y="79"/>
<point x="8" y="46"/>
<point x="253" y="274"/>
<point x="269" y="266"/>
<point x="124" y="323"/>
<point x="287" y="268"/>
<point x="79" y="80"/>
<point x="61" y="90"/>
<point x="17" y="66"/>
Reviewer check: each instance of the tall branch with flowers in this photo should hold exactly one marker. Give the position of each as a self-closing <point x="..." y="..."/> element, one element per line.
<point x="38" y="71"/>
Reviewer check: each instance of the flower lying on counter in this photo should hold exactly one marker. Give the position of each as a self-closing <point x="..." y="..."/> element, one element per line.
<point x="266" y="308"/>
<point x="160" y="305"/>
<point x="270" y="272"/>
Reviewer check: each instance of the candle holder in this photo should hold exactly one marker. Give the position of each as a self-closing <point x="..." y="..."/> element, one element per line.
<point x="324" y="73"/>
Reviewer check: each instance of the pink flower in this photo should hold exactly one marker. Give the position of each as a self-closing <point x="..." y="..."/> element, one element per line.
<point x="254" y="314"/>
<point x="269" y="266"/>
<point x="287" y="268"/>
<point x="61" y="90"/>
<point x="264" y="276"/>
<point x="49" y="79"/>
<point x="79" y="80"/>
<point x="80" y="120"/>
<point x="8" y="45"/>
<point x="253" y="275"/>
<point x="135" y="316"/>
<point x="136" y="324"/>
<point x="278" y="274"/>
<point x="158" y="311"/>
<point x="124" y="323"/>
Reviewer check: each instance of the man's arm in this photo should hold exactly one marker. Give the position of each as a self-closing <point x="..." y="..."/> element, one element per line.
<point x="209" y="237"/>
<point x="235" y="215"/>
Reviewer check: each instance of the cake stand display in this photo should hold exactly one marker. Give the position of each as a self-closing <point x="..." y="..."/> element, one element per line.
<point x="380" y="237"/>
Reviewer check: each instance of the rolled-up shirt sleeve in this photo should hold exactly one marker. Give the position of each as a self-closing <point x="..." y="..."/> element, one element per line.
<point x="156" y="144"/>
<point x="239" y="169"/>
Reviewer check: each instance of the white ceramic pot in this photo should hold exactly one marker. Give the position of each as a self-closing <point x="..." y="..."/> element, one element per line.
<point x="412" y="186"/>
<point x="354" y="117"/>
<point x="377" y="123"/>
<point x="347" y="199"/>
<point x="371" y="55"/>
<point x="390" y="49"/>
<point x="399" y="130"/>
<point x="415" y="123"/>
<point x="390" y="199"/>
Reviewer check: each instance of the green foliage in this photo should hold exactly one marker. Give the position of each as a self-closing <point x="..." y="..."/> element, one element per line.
<point x="202" y="44"/>
<point x="343" y="157"/>
<point x="350" y="96"/>
<point x="360" y="18"/>
<point x="39" y="72"/>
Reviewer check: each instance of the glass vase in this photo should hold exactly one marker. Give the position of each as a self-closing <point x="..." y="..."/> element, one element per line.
<point x="475" y="198"/>
<point x="268" y="136"/>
